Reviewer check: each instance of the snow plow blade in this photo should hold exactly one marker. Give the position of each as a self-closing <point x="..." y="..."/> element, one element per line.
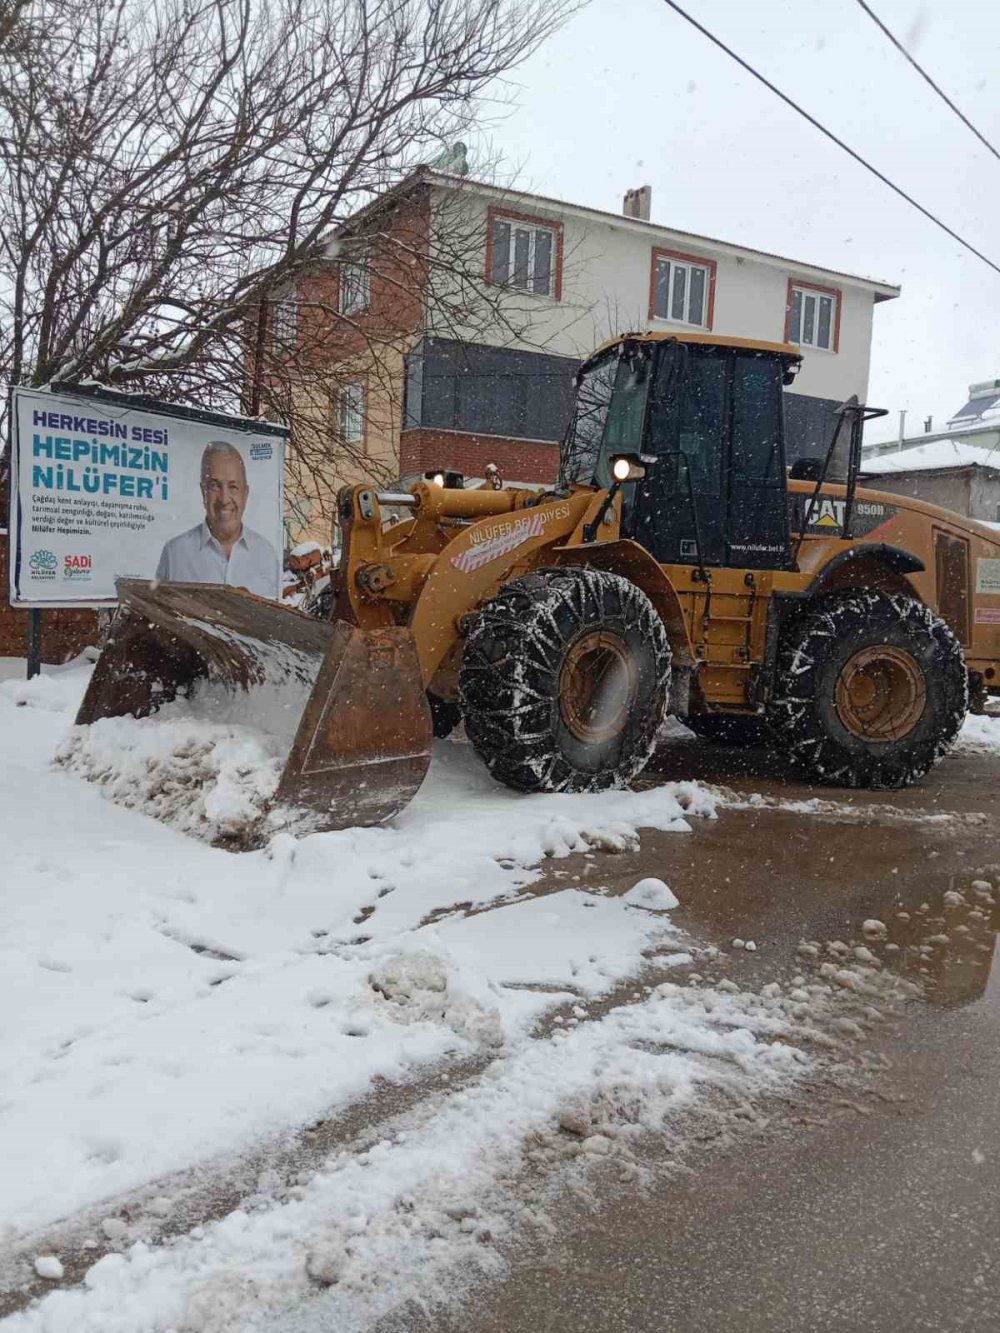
<point x="362" y="738"/>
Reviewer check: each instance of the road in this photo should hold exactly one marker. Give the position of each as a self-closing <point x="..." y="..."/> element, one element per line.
<point x="878" y="1212"/>
<point x="864" y="1198"/>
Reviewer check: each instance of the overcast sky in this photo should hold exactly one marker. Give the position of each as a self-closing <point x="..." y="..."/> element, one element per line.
<point x="629" y="94"/>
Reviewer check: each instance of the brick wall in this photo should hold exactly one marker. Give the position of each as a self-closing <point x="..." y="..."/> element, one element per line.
<point x="395" y="243"/>
<point x="518" y="460"/>
<point x="64" y="633"/>
<point x="366" y="348"/>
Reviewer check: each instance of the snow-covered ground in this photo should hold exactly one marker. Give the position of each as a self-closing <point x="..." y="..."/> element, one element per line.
<point x="166" y="1002"/>
<point x="166" y="1005"/>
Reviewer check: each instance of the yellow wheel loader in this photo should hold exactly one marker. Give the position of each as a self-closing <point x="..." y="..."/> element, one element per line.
<point x="676" y="566"/>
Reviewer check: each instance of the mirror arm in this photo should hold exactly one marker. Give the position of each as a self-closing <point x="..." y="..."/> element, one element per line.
<point x="590" y="531"/>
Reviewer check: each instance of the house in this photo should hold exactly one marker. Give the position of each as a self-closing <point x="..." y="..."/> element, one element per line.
<point x="952" y="473"/>
<point x="465" y="310"/>
<point x="976" y="423"/>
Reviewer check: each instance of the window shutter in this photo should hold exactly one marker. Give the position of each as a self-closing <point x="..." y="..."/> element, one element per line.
<point x="501" y="251"/>
<point x="522" y="258"/>
<point x="661" y="297"/>
<point x="543" y="262"/>
<point x="696" y="298"/>
<point x="352" y="410"/>
<point x="354" y="288"/>
<point x="284" y="323"/>
<point x="677" y="301"/>
<point x="825" y="312"/>
<point x="795" y="330"/>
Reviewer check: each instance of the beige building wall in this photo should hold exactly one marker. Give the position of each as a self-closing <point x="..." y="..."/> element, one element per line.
<point x="606" y="291"/>
<point x="311" y="487"/>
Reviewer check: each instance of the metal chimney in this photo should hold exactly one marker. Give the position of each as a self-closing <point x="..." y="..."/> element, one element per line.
<point x="637" y="203"/>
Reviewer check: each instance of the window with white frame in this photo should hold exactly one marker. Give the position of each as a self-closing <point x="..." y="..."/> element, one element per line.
<point x="812" y="317"/>
<point x="284" y="322"/>
<point x="355" y="287"/>
<point x="524" y="255"/>
<point x="681" y="289"/>
<point x="352" y="413"/>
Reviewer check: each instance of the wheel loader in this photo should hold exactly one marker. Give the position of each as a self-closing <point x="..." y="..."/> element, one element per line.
<point x="677" y="565"/>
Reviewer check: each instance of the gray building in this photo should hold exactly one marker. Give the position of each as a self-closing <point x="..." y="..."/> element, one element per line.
<point x="970" y="487"/>
<point x="957" y="468"/>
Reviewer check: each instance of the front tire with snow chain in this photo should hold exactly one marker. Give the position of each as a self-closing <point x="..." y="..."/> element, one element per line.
<point x="871" y="690"/>
<point x="564" y="681"/>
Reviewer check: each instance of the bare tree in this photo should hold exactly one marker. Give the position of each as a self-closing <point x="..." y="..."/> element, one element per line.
<point x="166" y="167"/>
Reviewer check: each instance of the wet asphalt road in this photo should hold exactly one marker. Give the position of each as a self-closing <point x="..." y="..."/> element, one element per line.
<point x="880" y="1216"/>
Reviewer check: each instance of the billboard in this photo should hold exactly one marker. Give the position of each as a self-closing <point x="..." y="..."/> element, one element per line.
<point x="106" y="485"/>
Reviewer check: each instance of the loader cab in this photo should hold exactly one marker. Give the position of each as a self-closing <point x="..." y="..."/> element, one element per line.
<point x="710" y="415"/>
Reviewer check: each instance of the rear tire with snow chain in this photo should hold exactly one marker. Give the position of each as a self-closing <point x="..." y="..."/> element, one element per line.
<point x="871" y="690"/>
<point x="564" y="681"/>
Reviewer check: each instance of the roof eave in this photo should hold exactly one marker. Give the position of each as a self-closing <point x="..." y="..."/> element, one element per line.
<point x="882" y="291"/>
<point x="950" y="468"/>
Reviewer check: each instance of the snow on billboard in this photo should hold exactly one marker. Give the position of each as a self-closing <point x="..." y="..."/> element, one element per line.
<point x="103" y="487"/>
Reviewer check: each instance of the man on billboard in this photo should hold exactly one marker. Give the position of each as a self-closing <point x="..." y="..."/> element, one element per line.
<point x="221" y="549"/>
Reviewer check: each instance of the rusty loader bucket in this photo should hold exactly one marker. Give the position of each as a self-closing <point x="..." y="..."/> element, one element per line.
<point x="360" y="720"/>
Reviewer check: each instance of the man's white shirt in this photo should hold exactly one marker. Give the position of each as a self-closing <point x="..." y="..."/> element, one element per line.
<point x="196" y="557"/>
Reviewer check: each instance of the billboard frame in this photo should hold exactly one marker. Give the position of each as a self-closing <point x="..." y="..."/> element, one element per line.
<point x="98" y="394"/>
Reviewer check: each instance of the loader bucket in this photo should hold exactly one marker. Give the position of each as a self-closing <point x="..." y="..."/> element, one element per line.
<point x="363" y="746"/>
<point x="355" y="702"/>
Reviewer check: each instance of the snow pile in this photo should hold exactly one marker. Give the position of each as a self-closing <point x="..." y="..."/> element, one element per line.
<point x="48" y="1266"/>
<point x="195" y="764"/>
<point x="652" y="894"/>
<point x="980" y="732"/>
<point x="416" y="985"/>
<point x="210" y="781"/>
<point x="306" y="548"/>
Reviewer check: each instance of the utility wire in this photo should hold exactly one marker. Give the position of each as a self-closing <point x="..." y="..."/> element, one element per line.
<point x="927" y="78"/>
<point x="830" y="135"/>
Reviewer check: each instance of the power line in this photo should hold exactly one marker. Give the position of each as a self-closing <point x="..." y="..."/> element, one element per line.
<point x="927" y="78"/>
<point x="830" y="135"/>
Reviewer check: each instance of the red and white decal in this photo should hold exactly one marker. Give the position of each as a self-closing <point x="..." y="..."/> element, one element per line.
<point x="499" y="541"/>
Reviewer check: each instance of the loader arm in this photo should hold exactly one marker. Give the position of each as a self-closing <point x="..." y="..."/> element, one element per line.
<point x="432" y="571"/>
<point x="477" y="561"/>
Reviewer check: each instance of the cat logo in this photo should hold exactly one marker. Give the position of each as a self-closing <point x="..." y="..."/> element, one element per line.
<point x="827" y="514"/>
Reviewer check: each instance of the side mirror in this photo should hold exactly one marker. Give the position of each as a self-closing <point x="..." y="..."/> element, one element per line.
<point x="629" y="467"/>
